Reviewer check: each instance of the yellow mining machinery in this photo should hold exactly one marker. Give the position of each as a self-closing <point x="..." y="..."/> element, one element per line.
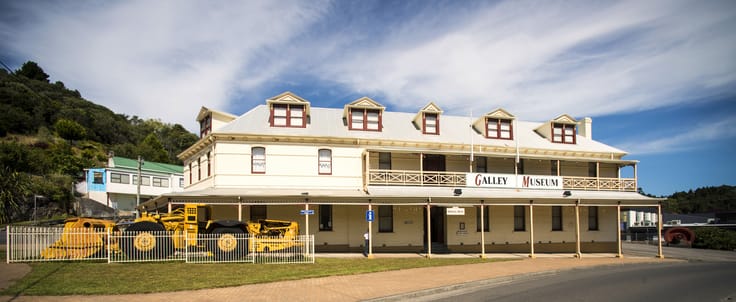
<point x="156" y="235"/>
<point x="82" y="238"/>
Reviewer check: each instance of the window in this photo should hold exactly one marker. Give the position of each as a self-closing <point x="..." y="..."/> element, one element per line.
<point x="288" y="115"/>
<point x="481" y="164"/>
<point x="205" y="126"/>
<point x="499" y="128"/>
<point x="554" y="164"/>
<point x="365" y="119"/>
<point x="592" y="170"/>
<point x="209" y="166"/>
<point x="520" y="166"/>
<point x="563" y="133"/>
<point x="385" y="219"/>
<point x="120" y="178"/>
<point x="258" y="212"/>
<point x="160" y="182"/>
<point x="146" y="181"/>
<point x="190" y="173"/>
<point x="181" y="182"/>
<point x="519" y="218"/>
<point x="258" y="160"/>
<point x="486" y="221"/>
<point x="325" y="161"/>
<point x="384" y="161"/>
<point x="98" y="178"/>
<point x="199" y="168"/>
<point x="431" y="123"/>
<point x="556" y="218"/>
<point x="325" y="217"/>
<point x="592" y="218"/>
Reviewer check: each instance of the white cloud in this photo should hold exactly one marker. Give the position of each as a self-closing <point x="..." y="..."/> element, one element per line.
<point x="541" y="59"/>
<point x="160" y="59"/>
<point x="692" y="138"/>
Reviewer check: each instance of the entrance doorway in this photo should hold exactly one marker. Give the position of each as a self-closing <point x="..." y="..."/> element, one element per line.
<point x="437" y="217"/>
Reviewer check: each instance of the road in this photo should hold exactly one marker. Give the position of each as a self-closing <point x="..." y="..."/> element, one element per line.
<point x="708" y="276"/>
<point x="686" y="281"/>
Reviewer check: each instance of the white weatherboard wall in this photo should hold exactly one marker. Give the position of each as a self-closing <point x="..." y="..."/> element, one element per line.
<point x="286" y="166"/>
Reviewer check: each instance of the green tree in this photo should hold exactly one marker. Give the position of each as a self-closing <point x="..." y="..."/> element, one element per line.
<point x="32" y="71"/>
<point x="151" y="149"/>
<point x="14" y="189"/>
<point x="70" y="130"/>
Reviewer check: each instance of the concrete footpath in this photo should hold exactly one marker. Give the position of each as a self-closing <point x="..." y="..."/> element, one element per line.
<point x="381" y="286"/>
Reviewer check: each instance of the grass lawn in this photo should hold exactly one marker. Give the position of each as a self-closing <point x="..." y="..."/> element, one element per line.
<point x="86" y="278"/>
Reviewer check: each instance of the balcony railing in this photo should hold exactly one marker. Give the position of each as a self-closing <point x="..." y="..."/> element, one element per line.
<point x="451" y="179"/>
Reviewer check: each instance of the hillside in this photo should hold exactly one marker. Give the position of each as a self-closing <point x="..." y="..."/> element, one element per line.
<point x="49" y="133"/>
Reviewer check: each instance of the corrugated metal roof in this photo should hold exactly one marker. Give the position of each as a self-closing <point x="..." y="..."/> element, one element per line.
<point x="398" y="126"/>
<point x="122" y="162"/>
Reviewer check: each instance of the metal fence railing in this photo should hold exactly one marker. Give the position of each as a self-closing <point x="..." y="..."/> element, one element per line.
<point x="32" y="244"/>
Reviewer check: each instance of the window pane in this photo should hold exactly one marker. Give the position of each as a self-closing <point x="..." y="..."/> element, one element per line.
<point x="279" y="115"/>
<point x="97" y="177"/>
<point x="593" y="218"/>
<point x="296" y="114"/>
<point x="557" y="218"/>
<point x="385" y="218"/>
<point x="372" y="117"/>
<point x="519" y="218"/>
<point x="258" y="212"/>
<point x="258" y="156"/>
<point x="384" y="161"/>
<point x="325" y="161"/>
<point x="325" y="217"/>
<point x="486" y="222"/>
<point x="356" y="119"/>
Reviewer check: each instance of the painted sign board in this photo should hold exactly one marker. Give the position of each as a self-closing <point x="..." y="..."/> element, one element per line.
<point x="369" y="215"/>
<point x="306" y="212"/>
<point x="494" y="180"/>
<point x="455" y="211"/>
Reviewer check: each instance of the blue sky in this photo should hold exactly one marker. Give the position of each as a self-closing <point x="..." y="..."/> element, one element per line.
<point x="657" y="77"/>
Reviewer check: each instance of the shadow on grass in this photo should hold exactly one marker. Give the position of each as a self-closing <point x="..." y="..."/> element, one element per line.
<point x="38" y="280"/>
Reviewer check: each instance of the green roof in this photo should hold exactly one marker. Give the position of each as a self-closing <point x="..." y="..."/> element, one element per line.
<point x="122" y="162"/>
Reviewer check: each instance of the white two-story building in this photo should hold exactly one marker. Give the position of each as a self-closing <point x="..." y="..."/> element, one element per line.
<point x="116" y="185"/>
<point x="490" y="183"/>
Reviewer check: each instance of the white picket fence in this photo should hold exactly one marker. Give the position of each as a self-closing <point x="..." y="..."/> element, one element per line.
<point x="34" y="244"/>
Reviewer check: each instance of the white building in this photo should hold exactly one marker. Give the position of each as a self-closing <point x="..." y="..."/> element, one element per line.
<point x="116" y="185"/>
<point x="425" y="177"/>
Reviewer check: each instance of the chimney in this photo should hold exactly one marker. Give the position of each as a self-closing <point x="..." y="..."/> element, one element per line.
<point x="585" y="127"/>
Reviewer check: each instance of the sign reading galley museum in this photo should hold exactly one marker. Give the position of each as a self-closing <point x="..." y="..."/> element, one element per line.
<point x="511" y="181"/>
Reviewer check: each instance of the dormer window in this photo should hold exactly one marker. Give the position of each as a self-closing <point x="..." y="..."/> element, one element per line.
<point x="497" y="124"/>
<point x="563" y="133"/>
<point x="499" y="128"/>
<point x="428" y="119"/>
<point x="288" y="110"/>
<point x="205" y="126"/>
<point x="431" y="123"/>
<point x="365" y="119"/>
<point x="288" y="115"/>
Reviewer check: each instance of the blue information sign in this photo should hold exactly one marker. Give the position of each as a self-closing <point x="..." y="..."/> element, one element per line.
<point x="369" y="215"/>
<point x="306" y="212"/>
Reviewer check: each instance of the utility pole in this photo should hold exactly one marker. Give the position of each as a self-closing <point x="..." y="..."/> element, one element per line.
<point x="138" y="192"/>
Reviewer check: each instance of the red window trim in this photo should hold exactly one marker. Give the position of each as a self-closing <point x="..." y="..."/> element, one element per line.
<point x="190" y="173"/>
<point x="252" y="160"/>
<point x="365" y="119"/>
<point x="564" y="141"/>
<point x="436" y="126"/>
<point x="498" y="128"/>
<point x="288" y="116"/>
<point x="319" y="161"/>
<point x="209" y="167"/>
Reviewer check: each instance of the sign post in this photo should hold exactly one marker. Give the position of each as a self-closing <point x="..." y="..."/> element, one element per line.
<point x="369" y="216"/>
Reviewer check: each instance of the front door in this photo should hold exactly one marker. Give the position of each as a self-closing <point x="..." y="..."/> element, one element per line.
<point x="437" y="219"/>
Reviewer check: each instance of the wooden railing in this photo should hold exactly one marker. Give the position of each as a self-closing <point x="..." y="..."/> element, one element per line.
<point x="416" y="178"/>
<point x="451" y="179"/>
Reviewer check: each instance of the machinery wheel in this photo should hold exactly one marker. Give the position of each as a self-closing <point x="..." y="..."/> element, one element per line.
<point x="146" y="240"/>
<point x="228" y="243"/>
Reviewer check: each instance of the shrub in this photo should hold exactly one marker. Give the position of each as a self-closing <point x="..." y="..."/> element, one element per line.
<point x="715" y="238"/>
